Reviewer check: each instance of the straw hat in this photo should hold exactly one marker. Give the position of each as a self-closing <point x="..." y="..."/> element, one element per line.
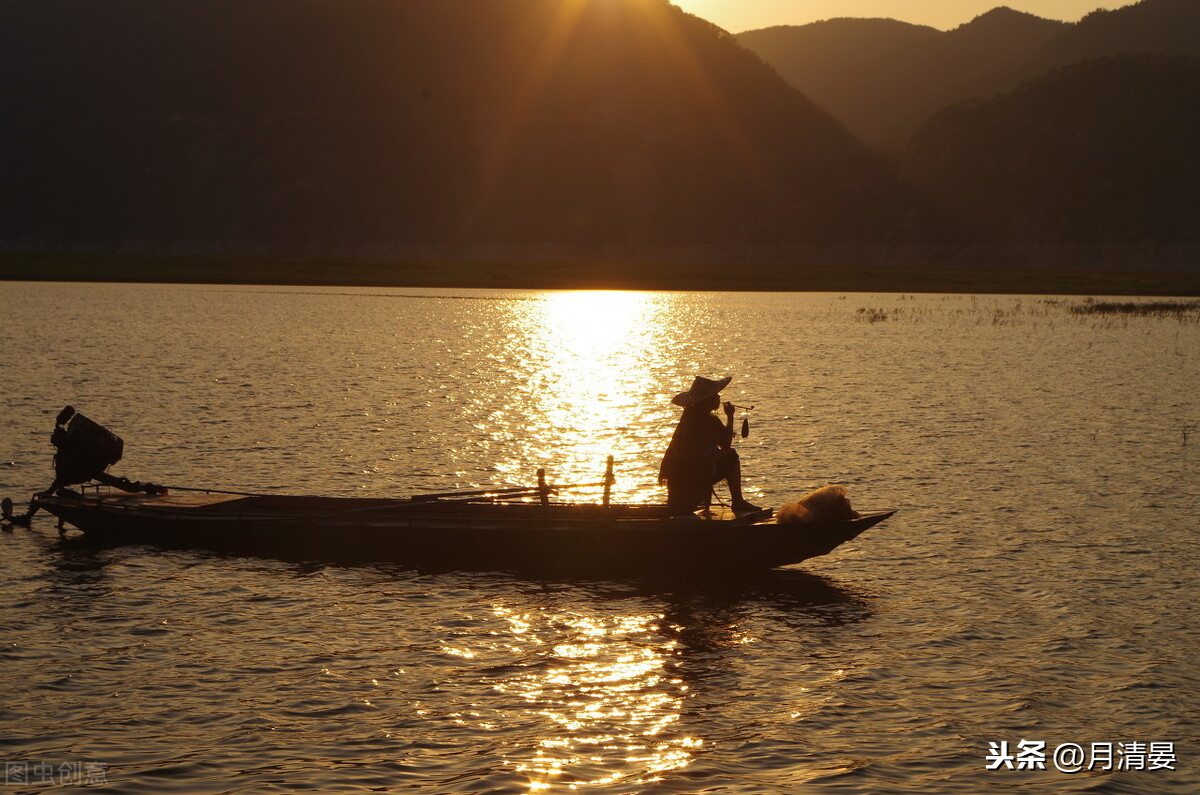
<point x="702" y="389"/>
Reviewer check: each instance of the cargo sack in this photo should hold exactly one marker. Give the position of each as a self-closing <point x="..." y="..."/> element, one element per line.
<point x="826" y="504"/>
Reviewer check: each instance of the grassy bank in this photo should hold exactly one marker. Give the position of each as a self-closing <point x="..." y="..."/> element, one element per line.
<point x="597" y="275"/>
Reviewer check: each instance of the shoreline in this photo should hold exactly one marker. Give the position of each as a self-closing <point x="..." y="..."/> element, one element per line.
<point x="519" y="275"/>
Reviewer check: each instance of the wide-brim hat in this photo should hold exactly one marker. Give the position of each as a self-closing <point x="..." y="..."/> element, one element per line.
<point x="701" y="390"/>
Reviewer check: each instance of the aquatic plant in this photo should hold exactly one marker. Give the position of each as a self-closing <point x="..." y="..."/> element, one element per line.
<point x="871" y="315"/>
<point x="1178" y="309"/>
<point x="1026" y="312"/>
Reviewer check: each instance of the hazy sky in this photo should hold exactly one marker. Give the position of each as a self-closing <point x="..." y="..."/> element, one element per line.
<point x="739" y="15"/>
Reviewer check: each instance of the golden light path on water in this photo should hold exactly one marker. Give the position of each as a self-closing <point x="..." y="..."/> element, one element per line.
<point x="609" y="705"/>
<point x="593" y="389"/>
<point x="594" y="379"/>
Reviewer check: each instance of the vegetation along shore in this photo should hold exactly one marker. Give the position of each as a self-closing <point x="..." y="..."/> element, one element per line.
<point x="812" y="276"/>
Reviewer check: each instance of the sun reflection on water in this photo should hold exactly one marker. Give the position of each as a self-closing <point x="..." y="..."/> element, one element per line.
<point x="591" y="389"/>
<point x="608" y="700"/>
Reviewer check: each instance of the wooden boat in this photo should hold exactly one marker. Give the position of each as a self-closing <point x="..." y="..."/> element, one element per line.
<point x="480" y="531"/>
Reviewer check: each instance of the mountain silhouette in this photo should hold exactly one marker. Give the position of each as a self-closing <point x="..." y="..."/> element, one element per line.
<point x="1163" y="27"/>
<point x="417" y="128"/>
<point x="518" y="130"/>
<point x="1032" y="134"/>
<point x="1100" y="153"/>
<point x="883" y="78"/>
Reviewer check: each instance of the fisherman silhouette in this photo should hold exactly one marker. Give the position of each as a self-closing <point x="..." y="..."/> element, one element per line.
<point x="701" y="452"/>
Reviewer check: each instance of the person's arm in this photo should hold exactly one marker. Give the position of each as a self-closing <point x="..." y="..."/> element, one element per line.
<point x="670" y="457"/>
<point x="726" y="433"/>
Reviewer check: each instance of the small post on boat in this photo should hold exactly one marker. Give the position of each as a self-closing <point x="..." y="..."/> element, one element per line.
<point x="608" y="481"/>
<point x="543" y="490"/>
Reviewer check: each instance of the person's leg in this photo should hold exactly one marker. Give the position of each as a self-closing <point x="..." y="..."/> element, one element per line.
<point x="733" y="477"/>
<point x="685" y="495"/>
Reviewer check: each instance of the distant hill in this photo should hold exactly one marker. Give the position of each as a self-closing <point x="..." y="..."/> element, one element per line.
<point x="1101" y="153"/>
<point x="1164" y="27"/>
<point x="522" y="130"/>
<point x="1033" y="134"/>
<point x="883" y="78"/>
<point x="422" y="128"/>
<point x="816" y="59"/>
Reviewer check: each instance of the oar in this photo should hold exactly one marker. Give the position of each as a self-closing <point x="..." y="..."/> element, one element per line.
<point x="507" y="491"/>
<point x="478" y="495"/>
<point x="406" y="505"/>
<point x="215" y="491"/>
<point x="438" y="495"/>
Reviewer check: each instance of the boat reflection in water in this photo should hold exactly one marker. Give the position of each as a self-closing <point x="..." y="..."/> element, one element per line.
<point x="603" y="694"/>
<point x="608" y="696"/>
<point x="471" y="682"/>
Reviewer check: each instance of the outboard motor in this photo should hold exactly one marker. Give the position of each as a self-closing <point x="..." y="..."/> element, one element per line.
<point x="85" y="448"/>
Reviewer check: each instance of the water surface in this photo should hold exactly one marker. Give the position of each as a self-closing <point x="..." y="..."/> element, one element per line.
<point x="1039" y="582"/>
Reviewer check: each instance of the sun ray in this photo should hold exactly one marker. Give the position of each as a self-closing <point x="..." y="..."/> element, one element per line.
<point x="517" y="110"/>
<point x="663" y="21"/>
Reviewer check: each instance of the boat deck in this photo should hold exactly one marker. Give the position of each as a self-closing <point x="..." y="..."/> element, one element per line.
<point x="216" y="503"/>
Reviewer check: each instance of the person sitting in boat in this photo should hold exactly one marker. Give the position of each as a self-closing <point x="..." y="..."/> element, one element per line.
<point x="701" y="452"/>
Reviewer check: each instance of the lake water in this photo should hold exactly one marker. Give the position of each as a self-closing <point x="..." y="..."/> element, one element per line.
<point x="1039" y="583"/>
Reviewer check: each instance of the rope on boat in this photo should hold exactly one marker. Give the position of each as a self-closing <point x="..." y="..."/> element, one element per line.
<point x="513" y="491"/>
<point x="470" y="495"/>
<point x="215" y="491"/>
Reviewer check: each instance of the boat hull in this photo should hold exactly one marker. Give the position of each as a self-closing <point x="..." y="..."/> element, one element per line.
<point x="583" y="539"/>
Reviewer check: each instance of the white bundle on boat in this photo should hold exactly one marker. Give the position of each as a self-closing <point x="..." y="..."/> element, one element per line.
<point x="826" y="504"/>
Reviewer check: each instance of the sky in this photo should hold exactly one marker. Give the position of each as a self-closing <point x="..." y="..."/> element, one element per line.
<point x="741" y="15"/>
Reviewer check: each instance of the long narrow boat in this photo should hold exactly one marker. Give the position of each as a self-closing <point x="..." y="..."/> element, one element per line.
<point x="479" y="533"/>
